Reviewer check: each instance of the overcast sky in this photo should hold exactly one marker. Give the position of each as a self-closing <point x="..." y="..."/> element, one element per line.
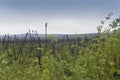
<point x="62" y="16"/>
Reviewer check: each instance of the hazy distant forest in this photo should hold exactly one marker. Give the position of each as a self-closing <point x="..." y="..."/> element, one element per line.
<point x="96" y="58"/>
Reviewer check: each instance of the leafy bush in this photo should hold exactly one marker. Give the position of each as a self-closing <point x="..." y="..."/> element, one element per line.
<point x="97" y="59"/>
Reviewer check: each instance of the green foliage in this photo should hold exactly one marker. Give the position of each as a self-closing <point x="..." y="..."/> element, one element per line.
<point x="97" y="59"/>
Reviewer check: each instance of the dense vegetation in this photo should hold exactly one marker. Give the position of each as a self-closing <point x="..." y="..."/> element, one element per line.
<point x="81" y="59"/>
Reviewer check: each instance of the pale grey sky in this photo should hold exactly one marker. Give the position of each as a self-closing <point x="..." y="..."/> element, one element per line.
<point x="62" y="16"/>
